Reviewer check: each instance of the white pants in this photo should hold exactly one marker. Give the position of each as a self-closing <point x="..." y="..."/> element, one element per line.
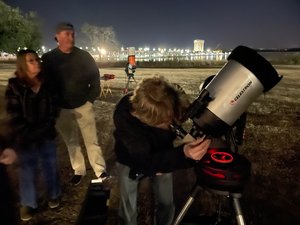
<point x="67" y="124"/>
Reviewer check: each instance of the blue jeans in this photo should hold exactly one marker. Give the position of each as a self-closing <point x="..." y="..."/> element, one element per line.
<point x="44" y="157"/>
<point x="163" y="191"/>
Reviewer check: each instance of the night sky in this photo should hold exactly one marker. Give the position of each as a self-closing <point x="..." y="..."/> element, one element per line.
<point x="176" y="23"/>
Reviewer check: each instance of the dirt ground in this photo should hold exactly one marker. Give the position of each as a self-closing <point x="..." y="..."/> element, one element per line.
<point x="271" y="197"/>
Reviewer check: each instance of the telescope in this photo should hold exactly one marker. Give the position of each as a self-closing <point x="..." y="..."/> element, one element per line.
<point x="214" y="113"/>
<point x="131" y="56"/>
<point x="130" y="68"/>
<point x="227" y="96"/>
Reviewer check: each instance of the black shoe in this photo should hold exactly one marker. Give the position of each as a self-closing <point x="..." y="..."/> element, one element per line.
<point x="76" y="179"/>
<point x="102" y="178"/>
<point x="26" y="213"/>
<point x="54" y="203"/>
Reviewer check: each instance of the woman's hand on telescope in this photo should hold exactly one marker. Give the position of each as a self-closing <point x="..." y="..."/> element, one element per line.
<point x="196" y="149"/>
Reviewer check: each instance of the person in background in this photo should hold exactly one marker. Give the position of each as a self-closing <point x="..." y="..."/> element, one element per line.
<point x="73" y="74"/>
<point x="144" y="146"/>
<point x="8" y="156"/>
<point x="32" y="113"/>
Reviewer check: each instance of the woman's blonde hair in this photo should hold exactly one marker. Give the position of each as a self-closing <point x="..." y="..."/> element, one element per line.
<point x="156" y="101"/>
<point x="21" y="71"/>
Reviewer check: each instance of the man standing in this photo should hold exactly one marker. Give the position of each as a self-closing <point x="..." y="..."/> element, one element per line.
<point x="73" y="76"/>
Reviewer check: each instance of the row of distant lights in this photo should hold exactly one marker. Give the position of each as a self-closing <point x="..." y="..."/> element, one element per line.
<point x="162" y="50"/>
<point x="102" y="51"/>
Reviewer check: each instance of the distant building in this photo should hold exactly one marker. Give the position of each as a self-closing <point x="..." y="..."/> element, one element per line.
<point x="198" y="45"/>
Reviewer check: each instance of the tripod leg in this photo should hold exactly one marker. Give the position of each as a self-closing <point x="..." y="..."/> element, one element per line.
<point x="238" y="211"/>
<point x="127" y="86"/>
<point x="219" y="212"/>
<point x="186" y="206"/>
<point x="134" y="79"/>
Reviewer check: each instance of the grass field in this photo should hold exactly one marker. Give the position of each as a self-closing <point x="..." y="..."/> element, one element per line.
<point x="271" y="197"/>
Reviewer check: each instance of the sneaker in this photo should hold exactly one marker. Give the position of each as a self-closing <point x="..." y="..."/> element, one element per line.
<point x="26" y="213"/>
<point x="76" y="179"/>
<point x="54" y="203"/>
<point x="102" y="178"/>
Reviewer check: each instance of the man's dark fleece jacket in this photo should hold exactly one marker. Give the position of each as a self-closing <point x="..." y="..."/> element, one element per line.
<point x="146" y="150"/>
<point x="74" y="77"/>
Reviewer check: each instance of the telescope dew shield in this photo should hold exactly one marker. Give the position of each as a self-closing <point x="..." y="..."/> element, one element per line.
<point x="131" y="56"/>
<point x="242" y="79"/>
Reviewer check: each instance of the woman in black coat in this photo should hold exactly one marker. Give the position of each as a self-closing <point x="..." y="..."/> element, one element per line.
<point x="32" y="114"/>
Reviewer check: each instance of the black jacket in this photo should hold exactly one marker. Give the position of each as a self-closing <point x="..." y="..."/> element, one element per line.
<point x="145" y="149"/>
<point x="74" y="77"/>
<point x="4" y="142"/>
<point x="32" y="115"/>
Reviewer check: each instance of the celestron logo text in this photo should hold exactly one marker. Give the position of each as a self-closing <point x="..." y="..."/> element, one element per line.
<point x="241" y="93"/>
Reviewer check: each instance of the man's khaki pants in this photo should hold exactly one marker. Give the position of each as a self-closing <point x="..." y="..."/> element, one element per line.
<point x="67" y="124"/>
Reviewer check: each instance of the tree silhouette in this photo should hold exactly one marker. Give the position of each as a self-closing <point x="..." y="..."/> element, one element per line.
<point x="103" y="37"/>
<point x="17" y="30"/>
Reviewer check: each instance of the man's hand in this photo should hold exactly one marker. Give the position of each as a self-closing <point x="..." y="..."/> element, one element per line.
<point x="196" y="149"/>
<point x="8" y="156"/>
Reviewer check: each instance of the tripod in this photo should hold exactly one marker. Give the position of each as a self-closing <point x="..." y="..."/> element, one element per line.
<point x="233" y="197"/>
<point x="129" y="78"/>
